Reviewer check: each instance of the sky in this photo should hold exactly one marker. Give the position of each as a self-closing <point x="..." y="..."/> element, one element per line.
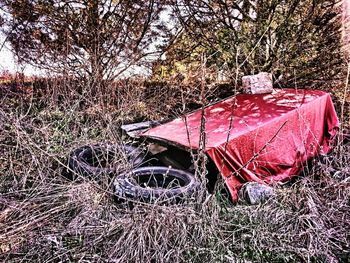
<point x="8" y="63"/>
<point x="6" y="57"/>
<point x="7" y="60"/>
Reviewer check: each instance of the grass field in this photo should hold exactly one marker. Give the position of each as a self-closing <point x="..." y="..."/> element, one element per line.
<point x="44" y="217"/>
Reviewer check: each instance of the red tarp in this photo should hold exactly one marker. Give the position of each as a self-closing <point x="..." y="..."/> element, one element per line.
<point x="264" y="138"/>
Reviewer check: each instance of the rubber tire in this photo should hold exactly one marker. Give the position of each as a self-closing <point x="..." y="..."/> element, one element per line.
<point x="78" y="165"/>
<point x="126" y="186"/>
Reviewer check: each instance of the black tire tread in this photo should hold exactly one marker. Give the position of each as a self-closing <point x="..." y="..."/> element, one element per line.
<point x="126" y="188"/>
<point x="77" y="165"/>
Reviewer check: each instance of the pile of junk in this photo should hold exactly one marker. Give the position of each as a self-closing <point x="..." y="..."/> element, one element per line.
<point x="252" y="140"/>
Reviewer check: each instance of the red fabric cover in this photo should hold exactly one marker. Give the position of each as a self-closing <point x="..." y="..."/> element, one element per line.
<point x="264" y="138"/>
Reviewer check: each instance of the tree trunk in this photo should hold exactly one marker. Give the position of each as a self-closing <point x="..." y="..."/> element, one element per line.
<point x="95" y="50"/>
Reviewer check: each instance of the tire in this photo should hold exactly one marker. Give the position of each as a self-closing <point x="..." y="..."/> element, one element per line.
<point x="92" y="161"/>
<point x="155" y="184"/>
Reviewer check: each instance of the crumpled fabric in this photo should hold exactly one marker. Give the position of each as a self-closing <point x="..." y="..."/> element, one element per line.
<point x="265" y="138"/>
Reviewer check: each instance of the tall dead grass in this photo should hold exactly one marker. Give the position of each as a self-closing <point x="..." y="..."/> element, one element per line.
<point x="46" y="218"/>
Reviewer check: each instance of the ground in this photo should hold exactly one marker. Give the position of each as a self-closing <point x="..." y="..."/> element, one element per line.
<point x="44" y="217"/>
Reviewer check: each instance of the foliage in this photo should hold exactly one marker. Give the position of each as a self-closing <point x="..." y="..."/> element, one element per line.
<point x="95" y="38"/>
<point x="297" y="41"/>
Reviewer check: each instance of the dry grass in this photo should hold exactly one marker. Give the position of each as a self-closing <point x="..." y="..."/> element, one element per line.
<point x="46" y="218"/>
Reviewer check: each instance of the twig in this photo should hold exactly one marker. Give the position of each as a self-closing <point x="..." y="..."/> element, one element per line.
<point x="260" y="151"/>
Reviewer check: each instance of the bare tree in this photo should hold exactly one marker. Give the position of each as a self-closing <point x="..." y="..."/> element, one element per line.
<point x="97" y="39"/>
